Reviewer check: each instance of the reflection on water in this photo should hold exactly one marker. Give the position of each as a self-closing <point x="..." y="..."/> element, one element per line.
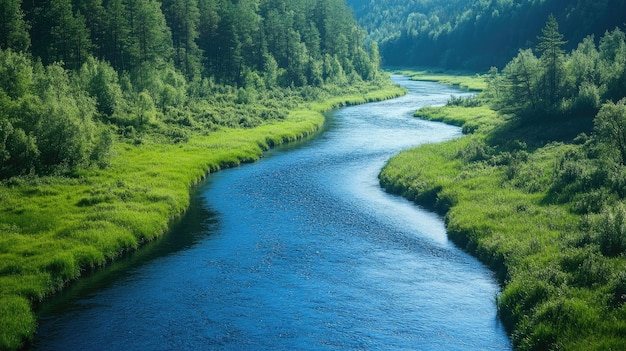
<point x="301" y="251"/>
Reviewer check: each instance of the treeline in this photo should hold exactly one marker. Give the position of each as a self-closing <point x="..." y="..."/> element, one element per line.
<point x="74" y="74"/>
<point x="548" y="83"/>
<point x="475" y="35"/>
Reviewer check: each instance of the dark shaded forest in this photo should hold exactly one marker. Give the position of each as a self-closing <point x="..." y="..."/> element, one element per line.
<point x="475" y="35"/>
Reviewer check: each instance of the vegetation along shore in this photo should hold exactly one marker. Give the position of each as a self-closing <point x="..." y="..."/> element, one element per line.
<point x="535" y="189"/>
<point x="110" y="111"/>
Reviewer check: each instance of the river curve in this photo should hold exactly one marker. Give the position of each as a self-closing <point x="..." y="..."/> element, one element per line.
<point x="300" y="251"/>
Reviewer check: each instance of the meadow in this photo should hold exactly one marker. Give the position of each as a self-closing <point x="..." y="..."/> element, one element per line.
<point x="501" y="188"/>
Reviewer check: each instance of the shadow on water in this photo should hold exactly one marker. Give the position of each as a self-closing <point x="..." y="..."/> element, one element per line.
<point x="196" y="224"/>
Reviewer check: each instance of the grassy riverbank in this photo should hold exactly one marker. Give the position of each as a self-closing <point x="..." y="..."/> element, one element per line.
<point x="507" y="198"/>
<point x="55" y="228"/>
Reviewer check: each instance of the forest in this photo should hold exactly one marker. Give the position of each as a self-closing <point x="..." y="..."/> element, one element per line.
<point x="476" y="35"/>
<point x="72" y="73"/>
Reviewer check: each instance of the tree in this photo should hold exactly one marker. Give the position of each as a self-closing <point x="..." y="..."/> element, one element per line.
<point x="116" y="46"/>
<point x="150" y="37"/>
<point x="583" y="63"/>
<point x="95" y="18"/>
<point x="101" y="82"/>
<point x="65" y="35"/>
<point x="18" y="151"/>
<point x="610" y="126"/>
<point x="521" y="82"/>
<point x="613" y="63"/>
<point x="13" y="27"/>
<point x="550" y="46"/>
<point x="16" y="74"/>
<point x="183" y="17"/>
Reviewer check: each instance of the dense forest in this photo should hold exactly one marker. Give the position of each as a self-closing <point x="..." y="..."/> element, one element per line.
<point x="73" y="74"/>
<point x="475" y="35"/>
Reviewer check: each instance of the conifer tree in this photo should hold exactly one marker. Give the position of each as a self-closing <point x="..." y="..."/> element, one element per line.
<point x="183" y="17"/>
<point x="551" y="49"/>
<point x="13" y="27"/>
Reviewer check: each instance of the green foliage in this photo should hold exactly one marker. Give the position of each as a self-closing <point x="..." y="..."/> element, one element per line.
<point x="548" y="217"/>
<point x="55" y="227"/>
<point x="118" y="106"/>
<point x="550" y="47"/>
<point x="16" y="74"/>
<point x="47" y="123"/>
<point x="609" y="228"/>
<point x="610" y="126"/>
<point x="101" y="82"/>
<point x="13" y="27"/>
<point x="557" y="86"/>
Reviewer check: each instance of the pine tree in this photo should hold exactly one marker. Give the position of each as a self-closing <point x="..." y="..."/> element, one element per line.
<point x="150" y="37"/>
<point x="13" y="27"/>
<point x="551" y="48"/>
<point x="69" y="37"/>
<point x="183" y="17"/>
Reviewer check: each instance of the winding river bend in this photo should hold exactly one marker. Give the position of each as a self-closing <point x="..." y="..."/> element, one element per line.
<point x="300" y="251"/>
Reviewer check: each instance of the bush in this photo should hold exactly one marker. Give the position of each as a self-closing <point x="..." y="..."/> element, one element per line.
<point x="610" y="228"/>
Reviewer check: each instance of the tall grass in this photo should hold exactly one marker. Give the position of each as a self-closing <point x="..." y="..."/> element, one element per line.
<point x="53" y="229"/>
<point x="560" y="290"/>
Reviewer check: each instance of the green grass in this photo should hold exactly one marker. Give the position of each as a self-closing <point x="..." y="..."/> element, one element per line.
<point x="493" y="187"/>
<point x="53" y="229"/>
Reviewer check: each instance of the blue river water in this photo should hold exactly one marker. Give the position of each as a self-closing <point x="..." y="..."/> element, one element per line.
<point x="299" y="251"/>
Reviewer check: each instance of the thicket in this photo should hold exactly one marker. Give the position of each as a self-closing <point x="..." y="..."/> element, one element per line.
<point x="536" y="189"/>
<point x="475" y="35"/>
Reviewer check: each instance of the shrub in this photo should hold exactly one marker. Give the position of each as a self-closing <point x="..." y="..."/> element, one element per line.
<point x="610" y="228"/>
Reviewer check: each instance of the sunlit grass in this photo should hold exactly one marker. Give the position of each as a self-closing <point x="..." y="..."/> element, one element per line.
<point x="557" y="290"/>
<point x="53" y="229"/>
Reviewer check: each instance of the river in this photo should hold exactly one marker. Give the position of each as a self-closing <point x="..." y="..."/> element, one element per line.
<point x="299" y="251"/>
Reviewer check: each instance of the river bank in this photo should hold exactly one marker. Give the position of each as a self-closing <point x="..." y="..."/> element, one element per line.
<point x="55" y="228"/>
<point x="496" y="186"/>
<point x="302" y="250"/>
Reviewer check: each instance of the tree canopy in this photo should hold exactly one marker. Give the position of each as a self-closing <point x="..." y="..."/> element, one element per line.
<point x="73" y="72"/>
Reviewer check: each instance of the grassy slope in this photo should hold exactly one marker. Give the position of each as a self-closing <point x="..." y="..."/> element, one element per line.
<point x="555" y="294"/>
<point x="54" y="228"/>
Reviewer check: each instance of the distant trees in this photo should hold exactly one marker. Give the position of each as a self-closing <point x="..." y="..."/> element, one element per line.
<point x="475" y="35"/>
<point x="13" y="27"/>
<point x="46" y="120"/>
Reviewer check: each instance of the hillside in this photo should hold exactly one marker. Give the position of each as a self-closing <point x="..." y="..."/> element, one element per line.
<point x="476" y="35"/>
